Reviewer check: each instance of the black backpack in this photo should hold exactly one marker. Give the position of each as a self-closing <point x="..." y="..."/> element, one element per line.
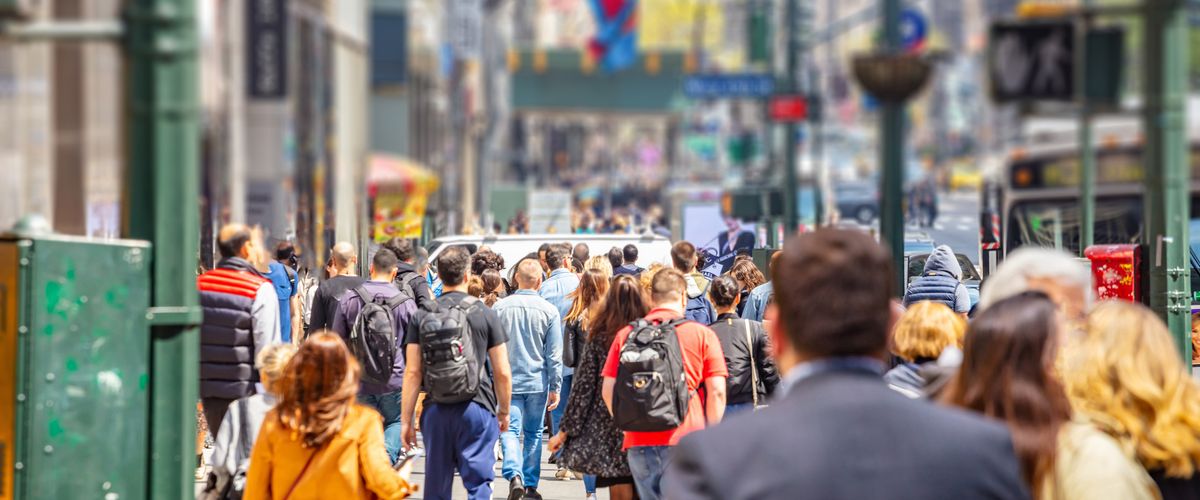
<point x="452" y="370"/>
<point x="652" y="393"/>
<point x="373" y="335"/>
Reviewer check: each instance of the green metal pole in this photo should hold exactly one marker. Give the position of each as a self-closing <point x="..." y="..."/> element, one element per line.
<point x="162" y="189"/>
<point x="818" y="145"/>
<point x="1166" y="200"/>
<point x="891" y="131"/>
<point x="1087" y="154"/>
<point x="790" y="183"/>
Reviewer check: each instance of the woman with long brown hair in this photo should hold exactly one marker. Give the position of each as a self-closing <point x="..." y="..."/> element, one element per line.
<point x="589" y="440"/>
<point x="747" y="275"/>
<point x="1008" y="374"/>
<point x="318" y="442"/>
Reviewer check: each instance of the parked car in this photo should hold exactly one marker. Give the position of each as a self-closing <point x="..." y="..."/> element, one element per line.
<point x="858" y="201"/>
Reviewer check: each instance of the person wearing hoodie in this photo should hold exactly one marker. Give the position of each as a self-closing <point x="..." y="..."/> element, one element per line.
<point x="940" y="282"/>
<point x="920" y="336"/>
<point x="406" y="272"/>
<point x="699" y="308"/>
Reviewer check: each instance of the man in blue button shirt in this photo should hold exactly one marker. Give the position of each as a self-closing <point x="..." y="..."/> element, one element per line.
<point x="559" y="290"/>
<point x="534" y="329"/>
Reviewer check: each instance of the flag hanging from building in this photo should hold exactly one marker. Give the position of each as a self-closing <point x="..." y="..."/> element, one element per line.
<point x="615" y="43"/>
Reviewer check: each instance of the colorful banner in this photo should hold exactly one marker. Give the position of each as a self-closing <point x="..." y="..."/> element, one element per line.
<point x="399" y="191"/>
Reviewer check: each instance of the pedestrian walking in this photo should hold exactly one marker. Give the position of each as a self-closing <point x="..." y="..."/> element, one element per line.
<point x="559" y="290"/>
<point x="699" y="308"/>
<point x="408" y="275"/>
<point x="373" y="318"/>
<point x="761" y="295"/>
<point x="748" y="278"/>
<point x="1126" y="378"/>
<point x="282" y="273"/>
<point x="458" y="355"/>
<point x="920" y="336"/>
<point x="616" y="259"/>
<point x="588" y="440"/>
<point x="752" y="377"/>
<point x="1053" y="272"/>
<point x="232" y="447"/>
<point x="317" y="443"/>
<point x="241" y="318"/>
<point x="1008" y="374"/>
<point x="593" y="285"/>
<point x="534" y="329"/>
<point x="581" y="252"/>
<point x="692" y="350"/>
<point x="940" y="282"/>
<point x="599" y="263"/>
<point x="344" y="258"/>
<point x="834" y="430"/>
<point x="629" y="256"/>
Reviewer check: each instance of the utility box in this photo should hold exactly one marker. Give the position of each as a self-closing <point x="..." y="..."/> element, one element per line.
<point x="75" y="345"/>
<point x="1116" y="271"/>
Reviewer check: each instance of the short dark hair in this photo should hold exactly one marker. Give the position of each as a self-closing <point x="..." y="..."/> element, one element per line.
<point x="232" y="245"/>
<point x="683" y="255"/>
<point x="556" y="257"/>
<point x="630" y="253"/>
<point x="667" y="284"/>
<point x="453" y="265"/>
<point x="723" y="290"/>
<point x="581" y="252"/>
<point x="420" y="257"/>
<point x="614" y="257"/>
<point x="833" y="288"/>
<point x="285" y="250"/>
<point x="543" y="249"/>
<point x="384" y="261"/>
<point x="402" y="247"/>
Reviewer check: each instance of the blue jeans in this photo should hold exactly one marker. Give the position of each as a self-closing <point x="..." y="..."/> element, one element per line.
<point x="647" y="464"/>
<point x="459" y="437"/>
<point x="737" y="408"/>
<point x="388" y="406"/>
<point x="525" y="421"/>
<point x="563" y="395"/>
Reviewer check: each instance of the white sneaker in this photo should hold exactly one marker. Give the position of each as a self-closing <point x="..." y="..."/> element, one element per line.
<point x="591" y="496"/>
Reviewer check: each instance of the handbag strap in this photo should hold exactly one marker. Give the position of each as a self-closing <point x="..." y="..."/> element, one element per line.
<point x="301" y="476"/>
<point x="753" y="367"/>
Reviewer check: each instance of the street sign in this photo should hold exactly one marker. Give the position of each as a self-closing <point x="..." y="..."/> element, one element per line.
<point x="266" y="24"/>
<point x="1033" y="61"/>
<point x="729" y="86"/>
<point x="788" y="108"/>
<point x="464" y="28"/>
<point x="914" y="29"/>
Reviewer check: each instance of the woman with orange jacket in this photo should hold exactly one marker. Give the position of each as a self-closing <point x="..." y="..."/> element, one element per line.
<point x="317" y="442"/>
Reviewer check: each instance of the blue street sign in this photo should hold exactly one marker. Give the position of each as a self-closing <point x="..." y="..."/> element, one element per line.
<point x="913" y="28"/>
<point x="729" y="86"/>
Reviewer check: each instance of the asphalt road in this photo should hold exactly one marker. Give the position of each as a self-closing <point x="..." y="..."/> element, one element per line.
<point x="957" y="224"/>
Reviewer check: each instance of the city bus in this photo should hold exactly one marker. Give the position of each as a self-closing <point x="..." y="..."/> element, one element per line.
<point x="1032" y="198"/>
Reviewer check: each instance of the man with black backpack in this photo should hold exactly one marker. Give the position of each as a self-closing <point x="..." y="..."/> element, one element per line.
<point x="458" y="354"/>
<point x="372" y="319"/>
<point x="654" y="371"/>
<point x="407" y="274"/>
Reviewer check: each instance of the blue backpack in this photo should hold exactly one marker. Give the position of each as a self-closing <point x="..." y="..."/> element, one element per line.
<point x="700" y="309"/>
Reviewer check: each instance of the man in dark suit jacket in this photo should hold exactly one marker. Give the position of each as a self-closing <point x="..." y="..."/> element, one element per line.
<point x="836" y="431"/>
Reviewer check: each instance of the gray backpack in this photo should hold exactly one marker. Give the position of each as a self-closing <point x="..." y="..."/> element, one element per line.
<point x="452" y="369"/>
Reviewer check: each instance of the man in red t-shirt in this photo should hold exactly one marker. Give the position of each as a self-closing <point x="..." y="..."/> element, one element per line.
<point x="703" y="362"/>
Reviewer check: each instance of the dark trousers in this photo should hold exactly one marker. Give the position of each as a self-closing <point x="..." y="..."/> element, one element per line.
<point x="459" y="437"/>
<point x="214" y="412"/>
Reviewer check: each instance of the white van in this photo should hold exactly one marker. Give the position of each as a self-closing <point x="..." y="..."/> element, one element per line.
<point x="651" y="247"/>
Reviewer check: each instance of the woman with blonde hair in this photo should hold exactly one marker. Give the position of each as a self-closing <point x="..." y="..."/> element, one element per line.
<point x="318" y="442"/>
<point x="231" y="450"/>
<point x="1125" y="376"/>
<point x="599" y="263"/>
<point x="919" y="337"/>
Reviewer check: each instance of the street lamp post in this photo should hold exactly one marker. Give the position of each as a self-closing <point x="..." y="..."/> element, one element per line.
<point x="891" y="160"/>
<point x="1165" y="46"/>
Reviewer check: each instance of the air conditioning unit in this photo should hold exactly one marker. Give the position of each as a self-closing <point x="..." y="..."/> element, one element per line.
<point x="18" y="9"/>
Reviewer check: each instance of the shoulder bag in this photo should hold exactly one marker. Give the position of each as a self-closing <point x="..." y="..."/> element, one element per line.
<point x="753" y="365"/>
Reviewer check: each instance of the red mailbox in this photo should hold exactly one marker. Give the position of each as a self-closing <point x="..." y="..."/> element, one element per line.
<point x="1115" y="271"/>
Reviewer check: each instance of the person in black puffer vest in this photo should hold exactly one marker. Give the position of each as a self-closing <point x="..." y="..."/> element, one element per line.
<point x="941" y="282"/>
<point x="241" y="318"/>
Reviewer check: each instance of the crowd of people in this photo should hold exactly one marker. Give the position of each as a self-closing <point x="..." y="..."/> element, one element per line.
<point x="661" y="382"/>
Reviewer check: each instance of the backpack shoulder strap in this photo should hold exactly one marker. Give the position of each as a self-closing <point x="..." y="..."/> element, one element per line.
<point x="363" y="294"/>
<point x="394" y="301"/>
<point x="469" y="302"/>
